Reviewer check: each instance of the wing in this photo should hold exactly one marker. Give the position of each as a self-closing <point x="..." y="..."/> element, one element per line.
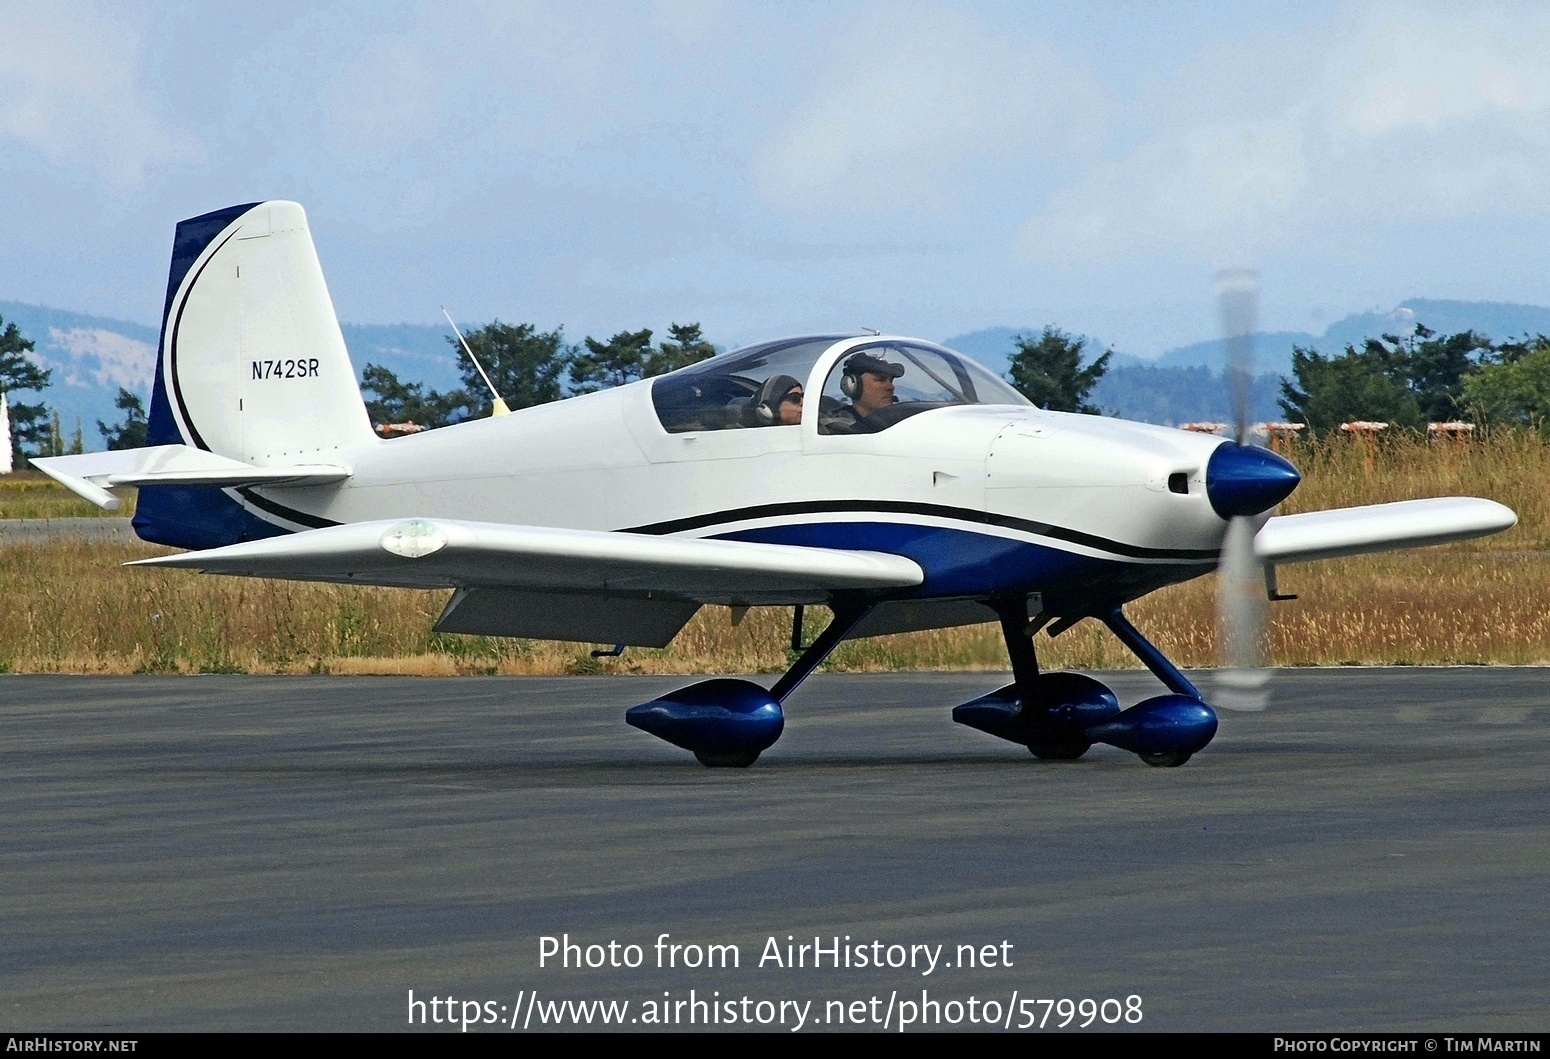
<point x="1378" y="528"/>
<point x="591" y="586"/>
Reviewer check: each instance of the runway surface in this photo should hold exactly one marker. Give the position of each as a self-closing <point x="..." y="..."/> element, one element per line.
<point x="38" y="530"/>
<point x="299" y="853"/>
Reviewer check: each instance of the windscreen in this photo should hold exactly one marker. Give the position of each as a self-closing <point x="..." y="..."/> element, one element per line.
<point x="883" y="383"/>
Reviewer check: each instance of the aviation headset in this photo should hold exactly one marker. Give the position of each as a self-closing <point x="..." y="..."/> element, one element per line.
<point x="766" y="406"/>
<point x="857" y="365"/>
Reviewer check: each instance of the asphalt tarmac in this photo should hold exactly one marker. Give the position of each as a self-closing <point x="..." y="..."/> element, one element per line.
<point x="35" y="530"/>
<point x="222" y="852"/>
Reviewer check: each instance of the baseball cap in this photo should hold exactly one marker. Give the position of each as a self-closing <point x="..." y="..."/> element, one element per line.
<point x="857" y="363"/>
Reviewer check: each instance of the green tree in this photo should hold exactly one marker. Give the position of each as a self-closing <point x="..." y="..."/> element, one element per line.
<point x="54" y="443"/>
<point x="525" y="364"/>
<point x="604" y="365"/>
<point x="29" y="422"/>
<point x="1048" y="371"/>
<point x="395" y="401"/>
<point x="130" y="434"/>
<point x="1513" y="390"/>
<point x="687" y="347"/>
<point x="1433" y="367"/>
<point x="1371" y="384"/>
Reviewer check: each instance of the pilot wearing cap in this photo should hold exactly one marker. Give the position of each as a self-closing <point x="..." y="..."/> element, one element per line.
<point x="868" y="381"/>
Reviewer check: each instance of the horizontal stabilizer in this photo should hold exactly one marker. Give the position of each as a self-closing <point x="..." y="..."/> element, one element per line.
<point x="1379" y="528"/>
<point x="432" y="553"/>
<point x="92" y="474"/>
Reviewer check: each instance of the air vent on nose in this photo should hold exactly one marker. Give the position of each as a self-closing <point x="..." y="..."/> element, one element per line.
<point x="1178" y="482"/>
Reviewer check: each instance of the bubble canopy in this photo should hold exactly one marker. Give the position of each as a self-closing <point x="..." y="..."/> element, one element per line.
<point x="726" y="391"/>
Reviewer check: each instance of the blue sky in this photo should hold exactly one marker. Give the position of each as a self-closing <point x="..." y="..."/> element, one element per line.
<point x="917" y="167"/>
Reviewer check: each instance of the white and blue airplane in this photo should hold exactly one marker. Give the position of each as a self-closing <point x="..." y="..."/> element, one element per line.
<point x="893" y="480"/>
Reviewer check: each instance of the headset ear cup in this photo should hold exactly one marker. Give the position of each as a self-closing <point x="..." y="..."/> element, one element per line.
<point x="764" y="413"/>
<point x="850" y="385"/>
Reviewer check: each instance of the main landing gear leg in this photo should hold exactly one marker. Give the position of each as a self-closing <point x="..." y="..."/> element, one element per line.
<point x="1052" y="725"/>
<point x="729" y="723"/>
<point x="1149" y="655"/>
<point x="1049" y="713"/>
<point x="845" y="619"/>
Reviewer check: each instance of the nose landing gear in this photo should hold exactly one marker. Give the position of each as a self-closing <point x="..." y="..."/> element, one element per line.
<point x="1058" y="716"/>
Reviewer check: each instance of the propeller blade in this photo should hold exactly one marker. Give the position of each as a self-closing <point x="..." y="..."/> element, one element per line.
<point x="1237" y="298"/>
<point x="1242" y="681"/>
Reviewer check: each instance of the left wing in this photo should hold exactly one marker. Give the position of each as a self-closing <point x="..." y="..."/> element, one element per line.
<point x="586" y="585"/>
<point x="1378" y="528"/>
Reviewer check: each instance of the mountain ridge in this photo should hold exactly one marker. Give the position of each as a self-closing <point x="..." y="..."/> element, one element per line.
<point x="92" y="356"/>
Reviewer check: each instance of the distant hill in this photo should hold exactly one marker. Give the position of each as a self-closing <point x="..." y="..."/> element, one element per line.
<point x="1183" y="384"/>
<point x="1272" y="352"/>
<point x="1273" y="349"/>
<point x="92" y="356"/>
<point x="1181" y="395"/>
<point x="993" y="347"/>
<point x="1499" y="320"/>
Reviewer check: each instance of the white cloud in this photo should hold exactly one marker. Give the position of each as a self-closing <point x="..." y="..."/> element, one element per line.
<point x="71" y="89"/>
<point x="1214" y="187"/>
<point x="1391" y="115"/>
<point x="915" y="98"/>
<point x="1422" y="72"/>
<point x="380" y="103"/>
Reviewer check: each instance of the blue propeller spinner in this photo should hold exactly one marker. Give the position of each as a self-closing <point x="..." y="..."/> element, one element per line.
<point x="1247" y="480"/>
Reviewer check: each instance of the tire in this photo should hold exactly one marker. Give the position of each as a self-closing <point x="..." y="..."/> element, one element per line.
<point x="1067" y="751"/>
<point x="1170" y="759"/>
<point x="736" y="759"/>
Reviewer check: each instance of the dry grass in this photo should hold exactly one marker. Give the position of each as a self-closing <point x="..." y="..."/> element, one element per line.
<point x="33" y="494"/>
<point x="1508" y="466"/>
<point x="72" y="608"/>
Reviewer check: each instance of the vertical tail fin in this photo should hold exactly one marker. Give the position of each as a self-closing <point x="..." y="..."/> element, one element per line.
<point x="252" y="363"/>
<point x="252" y="366"/>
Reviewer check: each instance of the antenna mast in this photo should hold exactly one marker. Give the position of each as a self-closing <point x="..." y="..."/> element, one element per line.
<point x="498" y="407"/>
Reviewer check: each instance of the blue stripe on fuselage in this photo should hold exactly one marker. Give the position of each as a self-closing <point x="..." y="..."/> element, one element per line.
<point x="956" y="562"/>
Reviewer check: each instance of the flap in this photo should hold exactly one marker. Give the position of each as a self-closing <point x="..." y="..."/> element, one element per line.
<point x="1379" y="528"/>
<point x="90" y="475"/>
<point x="431" y="553"/>
<point x="584" y="617"/>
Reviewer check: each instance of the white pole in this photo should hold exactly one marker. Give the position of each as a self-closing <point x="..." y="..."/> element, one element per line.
<point x="5" y="435"/>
